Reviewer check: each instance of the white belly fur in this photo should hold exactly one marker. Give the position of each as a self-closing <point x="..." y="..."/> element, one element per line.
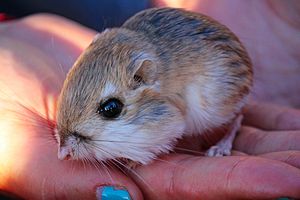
<point x="206" y="109"/>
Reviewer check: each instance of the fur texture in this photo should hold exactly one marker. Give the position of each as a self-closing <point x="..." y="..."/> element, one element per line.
<point x="195" y="77"/>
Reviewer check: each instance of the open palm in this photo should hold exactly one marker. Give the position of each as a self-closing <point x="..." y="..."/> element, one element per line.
<point x="34" y="59"/>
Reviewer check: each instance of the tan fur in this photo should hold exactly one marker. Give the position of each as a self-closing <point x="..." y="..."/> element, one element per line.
<point x="184" y="50"/>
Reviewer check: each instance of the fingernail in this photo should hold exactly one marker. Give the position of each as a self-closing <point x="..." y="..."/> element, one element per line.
<point x="112" y="193"/>
<point x="284" y="198"/>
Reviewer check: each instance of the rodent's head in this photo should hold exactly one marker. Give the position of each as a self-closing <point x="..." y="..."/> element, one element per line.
<point x="110" y="105"/>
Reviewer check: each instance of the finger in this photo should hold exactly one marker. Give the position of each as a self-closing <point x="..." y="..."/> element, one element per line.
<point x="256" y="141"/>
<point x="89" y="182"/>
<point x="235" y="177"/>
<point x="271" y="117"/>
<point x="289" y="157"/>
<point x="49" y="178"/>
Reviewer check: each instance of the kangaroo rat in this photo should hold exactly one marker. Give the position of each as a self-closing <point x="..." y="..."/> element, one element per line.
<point x="136" y="89"/>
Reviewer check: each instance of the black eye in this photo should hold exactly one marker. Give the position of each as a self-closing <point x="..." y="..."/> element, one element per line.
<point x="111" y="108"/>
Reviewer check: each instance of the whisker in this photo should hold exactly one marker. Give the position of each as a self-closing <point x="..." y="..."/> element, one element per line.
<point x="119" y="141"/>
<point x="82" y="160"/>
<point x="72" y="168"/>
<point x="103" y="164"/>
<point x="126" y="167"/>
<point x="165" y="161"/>
<point x="135" y="173"/>
<point x="105" y="168"/>
<point x="119" y="167"/>
<point x="33" y="117"/>
<point x="177" y="148"/>
<point x="200" y="153"/>
<point x="91" y="159"/>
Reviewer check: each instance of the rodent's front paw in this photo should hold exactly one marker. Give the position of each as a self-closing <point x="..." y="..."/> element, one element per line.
<point x="218" y="151"/>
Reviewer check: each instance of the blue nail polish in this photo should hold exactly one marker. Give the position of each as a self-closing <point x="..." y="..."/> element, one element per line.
<point x="284" y="198"/>
<point x="111" y="193"/>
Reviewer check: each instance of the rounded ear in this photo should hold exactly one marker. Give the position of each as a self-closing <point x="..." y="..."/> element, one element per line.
<point x="145" y="71"/>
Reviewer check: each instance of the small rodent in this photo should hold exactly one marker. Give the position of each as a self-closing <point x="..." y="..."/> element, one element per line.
<point x="136" y="89"/>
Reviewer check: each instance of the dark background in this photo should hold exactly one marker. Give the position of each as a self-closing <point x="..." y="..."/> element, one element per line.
<point x="95" y="14"/>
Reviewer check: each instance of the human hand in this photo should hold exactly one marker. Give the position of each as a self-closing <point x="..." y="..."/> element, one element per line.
<point x="35" y="54"/>
<point x="269" y="131"/>
<point x="265" y="165"/>
<point x="19" y="175"/>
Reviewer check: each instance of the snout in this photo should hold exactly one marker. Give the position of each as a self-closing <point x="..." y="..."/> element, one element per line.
<point x="65" y="153"/>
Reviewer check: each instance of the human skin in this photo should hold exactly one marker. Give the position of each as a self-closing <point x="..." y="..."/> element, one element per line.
<point x="35" y="54"/>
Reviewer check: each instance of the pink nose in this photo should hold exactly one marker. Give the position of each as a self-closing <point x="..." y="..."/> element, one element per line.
<point x="64" y="153"/>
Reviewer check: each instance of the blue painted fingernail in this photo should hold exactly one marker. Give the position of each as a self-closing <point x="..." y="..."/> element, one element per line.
<point x="112" y="193"/>
<point x="284" y="198"/>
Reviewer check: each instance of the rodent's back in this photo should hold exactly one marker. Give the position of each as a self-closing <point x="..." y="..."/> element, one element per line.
<point x="199" y="56"/>
<point x="173" y="29"/>
<point x="184" y="39"/>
